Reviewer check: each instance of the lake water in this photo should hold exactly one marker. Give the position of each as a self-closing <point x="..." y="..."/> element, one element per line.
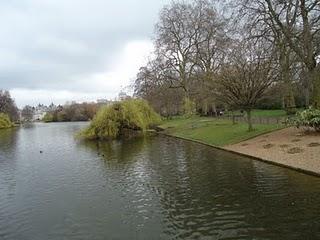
<point x="145" y="188"/>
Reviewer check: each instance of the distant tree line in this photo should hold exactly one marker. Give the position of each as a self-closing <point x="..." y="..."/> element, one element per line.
<point x="72" y="112"/>
<point x="249" y="54"/>
<point x="66" y="113"/>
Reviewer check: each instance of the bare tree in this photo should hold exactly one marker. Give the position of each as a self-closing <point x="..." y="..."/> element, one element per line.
<point x="244" y="79"/>
<point x="190" y="41"/>
<point x="298" y="24"/>
<point x="151" y="85"/>
<point x="27" y="113"/>
<point x="176" y="37"/>
<point x="211" y="47"/>
<point x="8" y="106"/>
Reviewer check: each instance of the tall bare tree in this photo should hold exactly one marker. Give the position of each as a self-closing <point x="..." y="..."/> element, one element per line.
<point x="176" y="37"/>
<point x="211" y="48"/>
<point x="298" y="21"/>
<point x="151" y="84"/>
<point x="249" y="72"/>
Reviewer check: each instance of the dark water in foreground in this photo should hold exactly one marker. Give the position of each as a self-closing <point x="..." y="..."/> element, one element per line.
<point x="151" y="188"/>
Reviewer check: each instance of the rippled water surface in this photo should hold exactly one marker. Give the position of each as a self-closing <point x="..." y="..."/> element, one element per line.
<point x="145" y="188"/>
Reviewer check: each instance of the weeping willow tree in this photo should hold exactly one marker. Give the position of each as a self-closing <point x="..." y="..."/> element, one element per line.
<point x="5" y="121"/>
<point x="119" y="118"/>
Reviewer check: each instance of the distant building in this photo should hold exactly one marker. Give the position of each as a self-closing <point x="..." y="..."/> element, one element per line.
<point x="38" y="115"/>
<point x="52" y="107"/>
<point x="39" y="112"/>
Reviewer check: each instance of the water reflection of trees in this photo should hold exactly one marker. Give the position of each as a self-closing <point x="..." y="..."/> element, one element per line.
<point x="8" y="167"/>
<point x="8" y="141"/>
<point x="117" y="153"/>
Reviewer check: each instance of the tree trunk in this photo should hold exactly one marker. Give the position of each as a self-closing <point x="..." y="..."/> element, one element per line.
<point x="313" y="83"/>
<point x="307" y="97"/>
<point x="288" y="96"/>
<point x="233" y="118"/>
<point x="316" y="88"/>
<point x="214" y="109"/>
<point x="289" y="101"/>
<point x="307" y="87"/>
<point x="249" y="120"/>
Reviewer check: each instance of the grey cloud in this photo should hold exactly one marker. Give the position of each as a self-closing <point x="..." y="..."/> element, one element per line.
<point x="46" y="42"/>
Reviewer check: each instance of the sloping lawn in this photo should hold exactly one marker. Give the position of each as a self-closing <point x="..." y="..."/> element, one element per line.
<point x="214" y="131"/>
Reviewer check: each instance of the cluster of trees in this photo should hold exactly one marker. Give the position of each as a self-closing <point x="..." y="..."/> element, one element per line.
<point x="66" y="113"/>
<point x="27" y="113"/>
<point x="72" y="112"/>
<point x="9" y="111"/>
<point x="8" y="106"/>
<point x="253" y="53"/>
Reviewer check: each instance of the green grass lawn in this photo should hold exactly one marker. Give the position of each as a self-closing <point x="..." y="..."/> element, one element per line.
<point x="265" y="113"/>
<point x="214" y="131"/>
<point x="269" y="113"/>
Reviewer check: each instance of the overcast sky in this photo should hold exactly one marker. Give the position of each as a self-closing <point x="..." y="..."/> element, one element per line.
<point x="63" y="50"/>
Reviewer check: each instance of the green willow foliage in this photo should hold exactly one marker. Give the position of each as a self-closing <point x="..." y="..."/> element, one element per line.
<point x="5" y="121"/>
<point x="111" y="121"/>
<point x="48" y="118"/>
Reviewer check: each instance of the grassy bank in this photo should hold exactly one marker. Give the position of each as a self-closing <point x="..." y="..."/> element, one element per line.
<point x="214" y="131"/>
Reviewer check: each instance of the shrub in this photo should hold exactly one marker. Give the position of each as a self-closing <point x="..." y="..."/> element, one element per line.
<point x="309" y="119"/>
<point x="48" y="117"/>
<point x="112" y="121"/>
<point x="5" y="121"/>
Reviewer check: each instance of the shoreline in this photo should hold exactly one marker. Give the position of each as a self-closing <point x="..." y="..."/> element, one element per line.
<point x="12" y="127"/>
<point x="251" y="156"/>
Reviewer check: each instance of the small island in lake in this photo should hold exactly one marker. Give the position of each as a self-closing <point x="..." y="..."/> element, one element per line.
<point x="124" y="118"/>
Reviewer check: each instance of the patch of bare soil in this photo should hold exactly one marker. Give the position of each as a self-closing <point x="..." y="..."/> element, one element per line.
<point x="284" y="146"/>
<point x="268" y="146"/>
<point x="290" y="146"/>
<point x="315" y="144"/>
<point x="295" y="150"/>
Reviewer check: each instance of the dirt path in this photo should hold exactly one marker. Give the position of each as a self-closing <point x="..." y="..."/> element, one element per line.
<point x="290" y="147"/>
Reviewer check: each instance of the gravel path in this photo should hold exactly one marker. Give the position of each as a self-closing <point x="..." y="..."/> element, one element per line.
<point x="290" y="147"/>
